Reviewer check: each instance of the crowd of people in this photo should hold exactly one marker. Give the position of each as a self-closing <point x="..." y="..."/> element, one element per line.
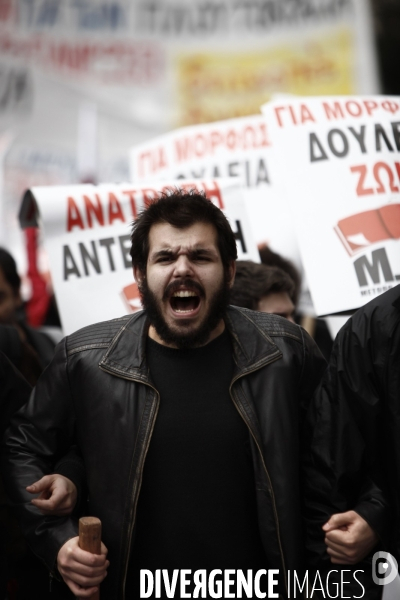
<point x="207" y="431"/>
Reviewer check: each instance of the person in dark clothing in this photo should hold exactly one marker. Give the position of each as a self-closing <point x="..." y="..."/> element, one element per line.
<point x="20" y="369"/>
<point x="20" y="353"/>
<point x="15" y="389"/>
<point x="19" y="567"/>
<point x="363" y="378"/>
<point x="187" y="414"/>
<point x="14" y="392"/>
<point x="361" y="389"/>
<point x="11" y="312"/>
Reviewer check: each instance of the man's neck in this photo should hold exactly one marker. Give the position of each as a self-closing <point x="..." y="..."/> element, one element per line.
<point x="214" y="334"/>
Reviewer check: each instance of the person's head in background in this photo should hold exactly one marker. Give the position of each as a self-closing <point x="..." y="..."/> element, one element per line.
<point x="10" y="283"/>
<point x="272" y="259"/>
<point x="262" y="288"/>
<point x="28" y="349"/>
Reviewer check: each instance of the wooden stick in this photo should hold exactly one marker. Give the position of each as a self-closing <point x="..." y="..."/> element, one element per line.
<point x="90" y="539"/>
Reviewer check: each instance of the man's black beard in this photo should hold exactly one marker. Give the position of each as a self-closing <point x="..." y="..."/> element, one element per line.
<point x="192" y="339"/>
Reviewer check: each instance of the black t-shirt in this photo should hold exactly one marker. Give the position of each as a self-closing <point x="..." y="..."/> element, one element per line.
<point x="197" y="504"/>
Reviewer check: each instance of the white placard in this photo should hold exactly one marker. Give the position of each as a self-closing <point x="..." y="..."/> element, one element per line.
<point x="238" y="148"/>
<point x="87" y="238"/>
<point x="337" y="160"/>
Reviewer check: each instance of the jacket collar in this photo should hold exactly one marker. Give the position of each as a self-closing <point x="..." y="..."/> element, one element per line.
<point x="252" y="347"/>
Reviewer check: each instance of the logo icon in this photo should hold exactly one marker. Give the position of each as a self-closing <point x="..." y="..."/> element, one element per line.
<point x="384" y="568"/>
<point x="361" y="230"/>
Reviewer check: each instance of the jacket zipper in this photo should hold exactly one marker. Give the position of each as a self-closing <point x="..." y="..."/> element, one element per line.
<point x="262" y="459"/>
<point x="135" y="500"/>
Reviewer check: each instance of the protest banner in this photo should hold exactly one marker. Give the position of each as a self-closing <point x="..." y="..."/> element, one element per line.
<point x="238" y="148"/>
<point x="87" y="238"/>
<point x="151" y="67"/>
<point x="186" y="63"/>
<point x="337" y="160"/>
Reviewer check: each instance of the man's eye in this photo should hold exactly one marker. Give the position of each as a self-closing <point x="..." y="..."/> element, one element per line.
<point x="202" y="258"/>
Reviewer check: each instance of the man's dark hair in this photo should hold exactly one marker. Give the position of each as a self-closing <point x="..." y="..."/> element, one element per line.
<point x="9" y="268"/>
<point x="254" y="281"/>
<point x="273" y="259"/>
<point x="181" y="209"/>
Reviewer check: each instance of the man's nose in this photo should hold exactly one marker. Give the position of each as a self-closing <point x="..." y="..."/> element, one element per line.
<point x="183" y="266"/>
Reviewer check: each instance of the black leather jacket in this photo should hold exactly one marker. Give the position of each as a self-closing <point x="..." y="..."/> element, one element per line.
<point x="98" y="393"/>
<point x="358" y="403"/>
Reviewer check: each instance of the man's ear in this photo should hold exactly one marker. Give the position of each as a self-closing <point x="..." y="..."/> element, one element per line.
<point x="231" y="273"/>
<point x="138" y="275"/>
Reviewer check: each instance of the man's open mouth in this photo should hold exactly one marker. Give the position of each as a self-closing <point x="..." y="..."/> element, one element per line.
<point x="184" y="301"/>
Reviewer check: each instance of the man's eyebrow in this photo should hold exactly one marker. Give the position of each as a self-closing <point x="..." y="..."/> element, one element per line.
<point x="192" y="253"/>
<point x="162" y="253"/>
<point x="195" y="252"/>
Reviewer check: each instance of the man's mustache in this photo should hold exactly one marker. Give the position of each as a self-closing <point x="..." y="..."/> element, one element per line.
<point x="187" y="284"/>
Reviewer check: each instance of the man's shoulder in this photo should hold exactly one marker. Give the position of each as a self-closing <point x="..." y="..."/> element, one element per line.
<point x="269" y="324"/>
<point x="379" y="317"/>
<point x="98" y="335"/>
<point x="389" y="301"/>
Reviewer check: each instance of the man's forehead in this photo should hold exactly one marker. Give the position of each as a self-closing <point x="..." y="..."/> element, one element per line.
<point x="163" y="236"/>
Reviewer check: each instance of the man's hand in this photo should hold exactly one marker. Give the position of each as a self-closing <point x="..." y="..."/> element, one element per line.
<point x="57" y="495"/>
<point x="349" y="538"/>
<point x="82" y="571"/>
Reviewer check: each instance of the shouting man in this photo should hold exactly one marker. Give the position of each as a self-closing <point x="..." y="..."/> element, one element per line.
<point x="188" y="417"/>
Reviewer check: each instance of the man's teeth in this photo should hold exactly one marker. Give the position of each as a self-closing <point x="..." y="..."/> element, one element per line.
<point x="184" y="294"/>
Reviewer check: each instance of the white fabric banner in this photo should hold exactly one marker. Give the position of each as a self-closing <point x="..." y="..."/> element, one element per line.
<point x="337" y="160"/>
<point x="87" y="238"/>
<point x="179" y="63"/>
